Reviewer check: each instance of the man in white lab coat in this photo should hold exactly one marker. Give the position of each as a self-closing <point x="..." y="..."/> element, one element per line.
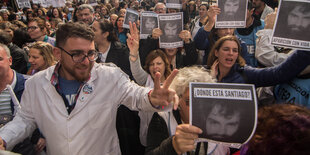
<point x="74" y="103"/>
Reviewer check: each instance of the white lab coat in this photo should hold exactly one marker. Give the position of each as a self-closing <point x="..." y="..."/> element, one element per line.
<point x="91" y="127"/>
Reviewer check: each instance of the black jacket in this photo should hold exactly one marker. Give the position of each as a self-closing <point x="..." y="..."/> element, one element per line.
<point x="158" y="140"/>
<point x="20" y="59"/>
<point x="119" y="55"/>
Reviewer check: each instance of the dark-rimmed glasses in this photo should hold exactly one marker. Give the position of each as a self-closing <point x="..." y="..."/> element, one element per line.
<point x="78" y="57"/>
<point x="32" y="28"/>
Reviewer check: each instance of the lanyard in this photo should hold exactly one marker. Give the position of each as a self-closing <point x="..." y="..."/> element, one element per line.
<point x="169" y="127"/>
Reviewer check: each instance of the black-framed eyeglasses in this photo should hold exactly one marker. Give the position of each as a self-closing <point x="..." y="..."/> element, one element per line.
<point x="32" y="28"/>
<point x="160" y="9"/>
<point x="78" y="57"/>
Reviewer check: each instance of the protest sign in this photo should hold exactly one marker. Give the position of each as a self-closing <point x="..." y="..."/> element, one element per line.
<point x="227" y="113"/>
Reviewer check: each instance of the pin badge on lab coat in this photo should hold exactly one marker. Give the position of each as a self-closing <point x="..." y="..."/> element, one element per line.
<point x="87" y="89"/>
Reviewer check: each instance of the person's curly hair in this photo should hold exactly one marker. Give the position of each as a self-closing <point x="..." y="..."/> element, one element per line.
<point x="282" y="129"/>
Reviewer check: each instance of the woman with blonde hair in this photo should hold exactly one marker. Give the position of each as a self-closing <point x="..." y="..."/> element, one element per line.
<point x="4" y="13"/>
<point x="40" y="57"/>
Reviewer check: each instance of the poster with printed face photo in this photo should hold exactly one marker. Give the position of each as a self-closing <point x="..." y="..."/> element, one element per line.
<point x="92" y="2"/>
<point x="174" y="4"/>
<point x="233" y="14"/>
<point x="36" y="1"/>
<point x="130" y="16"/>
<point x="46" y="3"/>
<point x="292" y="24"/>
<point x="23" y="3"/>
<point x="58" y="3"/>
<point x="148" y="23"/>
<point x="171" y="25"/>
<point x="227" y="113"/>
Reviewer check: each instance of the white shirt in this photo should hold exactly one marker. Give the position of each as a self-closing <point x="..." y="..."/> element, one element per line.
<point x="90" y="128"/>
<point x="105" y="54"/>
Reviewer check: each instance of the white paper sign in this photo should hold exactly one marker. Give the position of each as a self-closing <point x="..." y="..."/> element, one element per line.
<point x="226" y="113"/>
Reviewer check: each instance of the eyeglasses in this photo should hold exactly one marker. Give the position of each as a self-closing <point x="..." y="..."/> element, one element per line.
<point x="160" y="9"/>
<point x="78" y="57"/>
<point x="32" y="28"/>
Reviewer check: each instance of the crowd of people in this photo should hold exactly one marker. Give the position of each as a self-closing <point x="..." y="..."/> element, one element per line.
<point x="84" y="84"/>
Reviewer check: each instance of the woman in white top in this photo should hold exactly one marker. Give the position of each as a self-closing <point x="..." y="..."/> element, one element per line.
<point x="156" y="61"/>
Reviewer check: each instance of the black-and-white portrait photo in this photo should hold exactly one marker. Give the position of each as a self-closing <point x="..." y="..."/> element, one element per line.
<point x="171" y="30"/>
<point x="174" y="1"/>
<point x="222" y="122"/>
<point x="26" y="4"/>
<point x="225" y="114"/>
<point x="175" y="4"/>
<point x="36" y="1"/>
<point x="148" y="23"/>
<point x="45" y="3"/>
<point x="23" y="3"/>
<point x="170" y="25"/>
<point x="92" y="2"/>
<point x="130" y="16"/>
<point x="232" y="10"/>
<point x="58" y="3"/>
<point x="293" y="20"/>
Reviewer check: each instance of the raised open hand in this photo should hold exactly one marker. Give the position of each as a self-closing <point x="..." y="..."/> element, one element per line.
<point x="211" y="13"/>
<point x="270" y="19"/>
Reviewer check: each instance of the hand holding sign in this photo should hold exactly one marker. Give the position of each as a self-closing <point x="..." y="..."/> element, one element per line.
<point x="185" y="35"/>
<point x="184" y="139"/>
<point x="270" y="19"/>
<point x="156" y="33"/>
<point x="225" y="112"/>
<point x="213" y="11"/>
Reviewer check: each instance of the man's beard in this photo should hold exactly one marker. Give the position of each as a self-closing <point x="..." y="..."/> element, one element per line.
<point x="229" y="17"/>
<point x="80" y="77"/>
<point x="148" y="30"/>
<point x="88" y="22"/>
<point x="217" y="137"/>
<point x="298" y="31"/>
<point x="230" y="13"/>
